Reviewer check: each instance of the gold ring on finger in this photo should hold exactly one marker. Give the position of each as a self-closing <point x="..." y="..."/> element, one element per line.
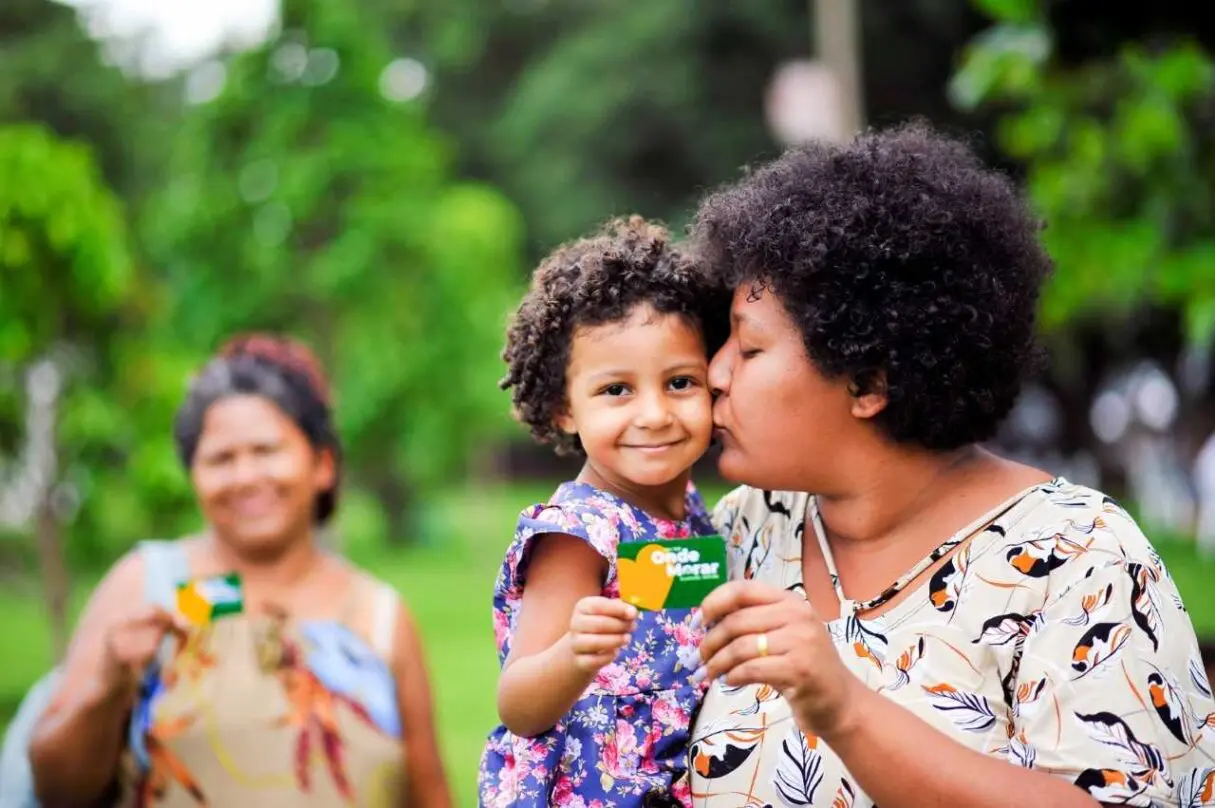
<point x="761" y="644"/>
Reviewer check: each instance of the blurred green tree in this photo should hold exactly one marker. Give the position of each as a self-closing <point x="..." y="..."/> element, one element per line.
<point x="1109" y="118"/>
<point x="584" y="110"/>
<point x="1119" y="157"/>
<point x="307" y="193"/>
<point x="117" y="477"/>
<point x="53" y="72"/>
<point x="69" y="294"/>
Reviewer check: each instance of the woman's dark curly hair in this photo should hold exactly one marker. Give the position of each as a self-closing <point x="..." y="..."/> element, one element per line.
<point x="900" y="257"/>
<point x="593" y="281"/>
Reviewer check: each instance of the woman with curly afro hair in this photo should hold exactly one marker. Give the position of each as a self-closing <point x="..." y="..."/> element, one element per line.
<point x="912" y="620"/>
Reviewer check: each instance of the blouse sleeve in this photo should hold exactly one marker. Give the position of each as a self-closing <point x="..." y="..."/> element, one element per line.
<point x="1110" y="690"/>
<point x="581" y="520"/>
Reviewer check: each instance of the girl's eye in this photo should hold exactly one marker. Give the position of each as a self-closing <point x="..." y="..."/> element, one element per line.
<point x="683" y="383"/>
<point x="615" y="390"/>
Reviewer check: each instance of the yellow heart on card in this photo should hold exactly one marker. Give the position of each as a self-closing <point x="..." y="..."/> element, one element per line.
<point x="645" y="582"/>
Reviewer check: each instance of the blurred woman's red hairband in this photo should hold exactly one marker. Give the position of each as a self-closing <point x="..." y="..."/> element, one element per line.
<point x="283" y="352"/>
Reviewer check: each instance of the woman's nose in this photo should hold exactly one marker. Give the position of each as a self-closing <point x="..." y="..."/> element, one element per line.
<point x="720" y="369"/>
<point x="245" y="471"/>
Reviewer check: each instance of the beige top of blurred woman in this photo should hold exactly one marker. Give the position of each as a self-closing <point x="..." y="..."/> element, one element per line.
<point x="1055" y="638"/>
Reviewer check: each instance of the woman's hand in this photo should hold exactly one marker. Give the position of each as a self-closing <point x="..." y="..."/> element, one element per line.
<point x="599" y="628"/>
<point x="761" y="634"/>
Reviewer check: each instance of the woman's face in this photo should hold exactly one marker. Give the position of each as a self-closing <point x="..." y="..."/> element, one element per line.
<point x="778" y="419"/>
<point x="256" y="475"/>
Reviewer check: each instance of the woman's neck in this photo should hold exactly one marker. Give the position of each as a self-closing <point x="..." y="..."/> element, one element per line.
<point x="897" y="492"/>
<point x="274" y="571"/>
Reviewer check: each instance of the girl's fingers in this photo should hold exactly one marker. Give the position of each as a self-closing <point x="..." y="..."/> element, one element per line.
<point x="599" y="624"/>
<point x="598" y="643"/>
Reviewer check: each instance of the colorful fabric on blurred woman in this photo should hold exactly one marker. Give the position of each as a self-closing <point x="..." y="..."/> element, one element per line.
<point x="259" y="709"/>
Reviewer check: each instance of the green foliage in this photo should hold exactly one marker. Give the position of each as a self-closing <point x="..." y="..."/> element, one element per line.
<point x="70" y="292"/>
<point x="51" y="72"/>
<point x="301" y="199"/>
<point x="1118" y="160"/>
<point x="63" y="255"/>
<point x="581" y="111"/>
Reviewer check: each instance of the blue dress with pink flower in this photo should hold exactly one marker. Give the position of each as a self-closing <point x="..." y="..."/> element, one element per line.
<point x="625" y="741"/>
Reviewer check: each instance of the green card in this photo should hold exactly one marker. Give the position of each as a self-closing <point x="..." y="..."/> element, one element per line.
<point x="203" y="600"/>
<point x="670" y="573"/>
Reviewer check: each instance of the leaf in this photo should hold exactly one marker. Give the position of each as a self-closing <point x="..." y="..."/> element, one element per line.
<point x="1001" y="62"/>
<point x="798" y="770"/>
<point x="1198" y="675"/>
<point x="1004" y="628"/>
<point x="1114" y="732"/>
<point x="1009" y="10"/>
<point x="1196" y="788"/>
<point x="1200" y="320"/>
<point x="968" y="711"/>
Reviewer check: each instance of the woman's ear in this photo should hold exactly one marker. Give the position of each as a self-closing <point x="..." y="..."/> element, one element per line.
<point x="325" y="474"/>
<point x="868" y="391"/>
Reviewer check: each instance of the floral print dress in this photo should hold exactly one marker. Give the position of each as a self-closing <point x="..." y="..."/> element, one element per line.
<point x="1052" y="637"/>
<point x="625" y="742"/>
<point x="260" y="709"/>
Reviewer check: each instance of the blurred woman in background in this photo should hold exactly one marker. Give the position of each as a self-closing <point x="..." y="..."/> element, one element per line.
<point x="314" y="692"/>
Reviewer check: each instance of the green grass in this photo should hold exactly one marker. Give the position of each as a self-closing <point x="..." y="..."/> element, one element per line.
<point x="448" y="586"/>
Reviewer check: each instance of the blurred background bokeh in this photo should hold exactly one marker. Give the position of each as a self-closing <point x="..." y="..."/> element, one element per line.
<point x="379" y="177"/>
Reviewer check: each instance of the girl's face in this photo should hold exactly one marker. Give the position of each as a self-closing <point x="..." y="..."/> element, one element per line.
<point x="638" y="399"/>
<point x="256" y="475"/>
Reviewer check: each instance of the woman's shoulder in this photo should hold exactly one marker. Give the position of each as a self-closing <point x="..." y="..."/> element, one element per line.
<point x="1073" y="513"/>
<point x="1061" y="534"/>
<point x="381" y="612"/>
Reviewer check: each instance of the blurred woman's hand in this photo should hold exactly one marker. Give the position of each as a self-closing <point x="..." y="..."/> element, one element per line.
<point x="131" y="644"/>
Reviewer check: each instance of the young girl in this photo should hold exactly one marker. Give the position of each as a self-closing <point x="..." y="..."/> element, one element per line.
<point x="608" y="360"/>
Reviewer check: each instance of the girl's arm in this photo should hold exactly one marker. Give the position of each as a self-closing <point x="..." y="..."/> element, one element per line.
<point x="564" y="635"/>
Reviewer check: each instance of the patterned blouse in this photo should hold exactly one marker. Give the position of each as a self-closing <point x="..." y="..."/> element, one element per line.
<point x="1053" y="638"/>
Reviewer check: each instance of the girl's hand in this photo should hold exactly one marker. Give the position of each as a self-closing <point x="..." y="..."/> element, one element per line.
<point x="599" y="628"/>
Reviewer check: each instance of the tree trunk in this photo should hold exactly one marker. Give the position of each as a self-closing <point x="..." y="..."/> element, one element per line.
<point x="56" y="585"/>
<point x="837" y="29"/>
